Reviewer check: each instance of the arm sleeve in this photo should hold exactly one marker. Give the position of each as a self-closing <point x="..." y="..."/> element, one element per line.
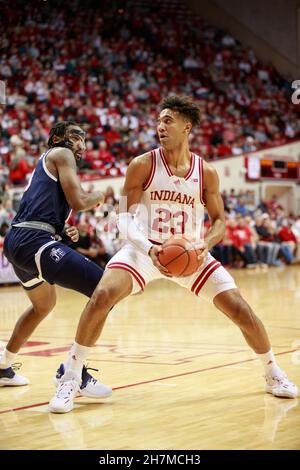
<point x="129" y="231"/>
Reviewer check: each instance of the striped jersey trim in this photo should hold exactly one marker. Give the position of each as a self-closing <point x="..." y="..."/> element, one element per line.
<point x="32" y="283"/>
<point x="168" y="169"/>
<point x="165" y="162"/>
<point x="152" y="172"/>
<point x="190" y="172"/>
<point x="200" y="162"/>
<point x="69" y="215"/>
<point x="46" y="169"/>
<point x="155" y="242"/>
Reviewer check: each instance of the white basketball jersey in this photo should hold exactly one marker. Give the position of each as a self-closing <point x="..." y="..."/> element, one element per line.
<point x="172" y="204"/>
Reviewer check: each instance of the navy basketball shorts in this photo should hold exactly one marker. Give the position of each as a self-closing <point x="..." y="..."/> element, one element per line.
<point x="37" y="257"/>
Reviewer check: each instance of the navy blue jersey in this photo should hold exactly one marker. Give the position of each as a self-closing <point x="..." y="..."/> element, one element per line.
<point x="44" y="199"/>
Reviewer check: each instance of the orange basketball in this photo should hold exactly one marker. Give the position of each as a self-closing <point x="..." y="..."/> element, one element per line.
<point x="179" y="256"/>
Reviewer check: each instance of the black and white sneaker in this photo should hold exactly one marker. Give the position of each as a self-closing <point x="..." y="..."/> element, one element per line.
<point x="8" y="377"/>
<point x="90" y="387"/>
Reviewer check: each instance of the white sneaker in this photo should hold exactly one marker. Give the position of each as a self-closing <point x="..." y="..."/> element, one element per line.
<point x="90" y="387"/>
<point x="281" y="386"/>
<point x="67" y="389"/>
<point x="8" y="377"/>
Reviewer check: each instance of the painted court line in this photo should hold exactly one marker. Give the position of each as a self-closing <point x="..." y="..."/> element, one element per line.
<point x="158" y="380"/>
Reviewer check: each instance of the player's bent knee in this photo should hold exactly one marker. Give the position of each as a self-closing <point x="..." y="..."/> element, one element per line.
<point x="102" y="299"/>
<point x="242" y="314"/>
<point x="42" y="310"/>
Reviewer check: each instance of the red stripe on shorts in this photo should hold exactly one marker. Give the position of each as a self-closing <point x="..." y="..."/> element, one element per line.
<point x="204" y="275"/>
<point x="138" y="277"/>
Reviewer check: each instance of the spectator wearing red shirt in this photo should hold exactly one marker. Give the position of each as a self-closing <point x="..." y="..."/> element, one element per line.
<point x="245" y="243"/>
<point x="273" y="204"/>
<point x="18" y="168"/>
<point x="104" y="153"/>
<point x="226" y="251"/>
<point x="288" y="241"/>
<point x="285" y="233"/>
<point x="268" y="245"/>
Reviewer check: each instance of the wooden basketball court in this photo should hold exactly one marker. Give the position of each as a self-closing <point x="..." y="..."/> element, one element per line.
<point x="183" y="377"/>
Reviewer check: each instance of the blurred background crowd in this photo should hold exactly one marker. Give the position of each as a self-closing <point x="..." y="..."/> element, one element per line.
<point x="108" y="68"/>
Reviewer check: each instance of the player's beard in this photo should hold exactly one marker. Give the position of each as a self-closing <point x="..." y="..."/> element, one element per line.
<point x="78" y="159"/>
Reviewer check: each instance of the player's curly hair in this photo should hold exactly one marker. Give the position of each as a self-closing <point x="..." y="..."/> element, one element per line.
<point x="59" y="130"/>
<point x="183" y="105"/>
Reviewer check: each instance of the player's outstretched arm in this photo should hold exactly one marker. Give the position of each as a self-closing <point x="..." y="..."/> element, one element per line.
<point x="77" y="198"/>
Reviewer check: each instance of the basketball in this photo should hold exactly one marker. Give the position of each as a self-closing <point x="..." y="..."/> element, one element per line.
<point x="179" y="256"/>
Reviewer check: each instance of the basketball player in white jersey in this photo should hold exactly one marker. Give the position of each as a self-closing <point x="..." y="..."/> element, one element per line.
<point x="165" y="192"/>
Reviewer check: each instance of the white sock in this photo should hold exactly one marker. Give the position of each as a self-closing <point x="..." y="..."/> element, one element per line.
<point x="6" y="359"/>
<point x="76" y="359"/>
<point x="269" y="362"/>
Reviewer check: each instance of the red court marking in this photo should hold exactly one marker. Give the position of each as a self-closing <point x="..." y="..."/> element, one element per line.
<point x="189" y="345"/>
<point x="176" y="362"/>
<point x="24" y="407"/>
<point x="157" y="380"/>
<point x="50" y="352"/>
<point x="30" y="344"/>
<point x="197" y="371"/>
<point x="47" y="352"/>
<point x="186" y="345"/>
<point x="144" y="340"/>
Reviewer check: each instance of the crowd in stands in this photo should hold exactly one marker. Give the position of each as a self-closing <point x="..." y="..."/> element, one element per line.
<point x="256" y="236"/>
<point x="108" y="65"/>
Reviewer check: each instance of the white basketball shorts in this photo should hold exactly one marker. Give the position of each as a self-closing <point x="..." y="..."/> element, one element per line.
<point x="206" y="283"/>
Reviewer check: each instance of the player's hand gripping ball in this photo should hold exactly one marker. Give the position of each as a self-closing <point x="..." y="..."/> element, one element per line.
<point x="180" y="256"/>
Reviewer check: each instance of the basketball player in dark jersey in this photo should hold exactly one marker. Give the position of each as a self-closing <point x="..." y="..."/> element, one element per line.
<point x="36" y="245"/>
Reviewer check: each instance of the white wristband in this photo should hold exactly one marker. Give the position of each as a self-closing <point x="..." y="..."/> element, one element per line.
<point x="129" y="231"/>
